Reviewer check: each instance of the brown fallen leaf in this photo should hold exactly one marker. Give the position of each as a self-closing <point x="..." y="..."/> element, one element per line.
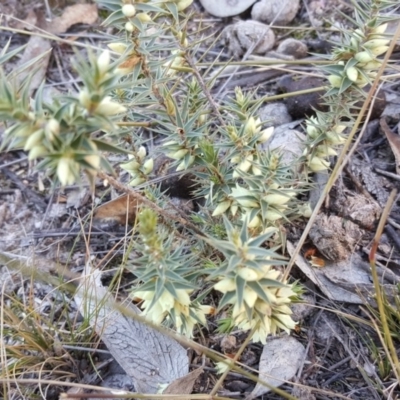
<point x="394" y="141"/>
<point x="185" y="384"/>
<point x="122" y="209"/>
<point x="76" y="14"/>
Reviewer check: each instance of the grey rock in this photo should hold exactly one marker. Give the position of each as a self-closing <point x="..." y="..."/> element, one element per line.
<point x="246" y="35"/>
<point x="226" y="8"/>
<point x="293" y="47"/>
<point x="274" y="114"/>
<point x="278" y="12"/>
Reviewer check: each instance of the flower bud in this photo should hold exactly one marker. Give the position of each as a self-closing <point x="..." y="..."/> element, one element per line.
<point x="234" y="209"/>
<point x="255" y="222"/>
<point x="107" y="107"/>
<point x="335" y="81"/>
<point x="34" y="139"/>
<point x="305" y="210"/>
<point x="130" y="166"/>
<point x="65" y="171"/>
<point x="184" y="164"/>
<point x="266" y="134"/>
<point x="325" y="151"/>
<point x="93" y="160"/>
<point x="118" y="47"/>
<point x="312" y="131"/>
<point x="374" y="64"/>
<point x="170" y="105"/>
<point x="245" y="164"/>
<point x="250" y="296"/>
<point x="225" y="285"/>
<point x="183" y="4"/>
<point x="335" y="138"/>
<point x="129" y="27"/>
<point x="278" y="199"/>
<point x="179" y="154"/>
<point x="372" y="44"/>
<point x="137" y="181"/>
<point x="37" y="151"/>
<point x="377" y="51"/>
<point x="352" y="73"/>
<point x="272" y="215"/>
<point x="52" y="129"/>
<point x="141" y="153"/>
<point x="362" y="81"/>
<point x="84" y="99"/>
<point x="103" y="62"/>
<point x="339" y="129"/>
<point x="148" y="166"/>
<point x="143" y="17"/>
<point x="250" y="127"/>
<point x="248" y="274"/>
<point x="317" y="164"/>
<point x="221" y="208"/>
<point x="248" y="203"/>
<point x="380" y="29"/>
<point x="128" y="10"/>
<point x="256" y="170"/>
<point x="364" y="57"/>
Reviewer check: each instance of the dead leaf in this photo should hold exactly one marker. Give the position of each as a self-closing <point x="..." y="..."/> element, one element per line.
<point x="279" y="362"/>
<point x="149" y="357"/>
<point x="316" y="275"/>
<point x="76" y="14"/>
<point x="347" y="281"/>
<point x="394" y="141"/>
<point x="39" y="46"/>
<point x="122" y="209"/>
<point x="185" y="384"/>
<point x="129" y="63"/>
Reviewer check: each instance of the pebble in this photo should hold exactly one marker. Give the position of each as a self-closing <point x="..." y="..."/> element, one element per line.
<point x="277" y="12"/>
<point x="226" y="8"/>
<point x="245" y="35"/>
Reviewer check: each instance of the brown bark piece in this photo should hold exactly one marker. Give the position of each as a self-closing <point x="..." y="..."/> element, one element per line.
<point x="78" y="13"/>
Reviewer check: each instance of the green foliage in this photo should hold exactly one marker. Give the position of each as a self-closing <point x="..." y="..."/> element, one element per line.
<point x="149" y="79"/>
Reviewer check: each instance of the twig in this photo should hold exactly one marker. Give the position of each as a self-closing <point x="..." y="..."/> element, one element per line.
<point x="388" y="174"/>
<point x="30" y="193"/>
<point x="144" y="200"/>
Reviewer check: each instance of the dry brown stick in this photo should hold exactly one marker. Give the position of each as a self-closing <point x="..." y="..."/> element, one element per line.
<point x="37" y="199"/>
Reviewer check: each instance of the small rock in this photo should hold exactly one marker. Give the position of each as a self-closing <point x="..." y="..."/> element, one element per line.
<point x="226" y="8"/>
<point x="278" y="12"/>
<point x="274" y="114"/>
<point x="334" y="237"/>
<point x="228" y="344"/>
<point x="293" y="47"/>
<point x="300" y="311"/>
<point x="279" y="362"/>
<point x="245" y="35"/>
<point x="289" y="141"/>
